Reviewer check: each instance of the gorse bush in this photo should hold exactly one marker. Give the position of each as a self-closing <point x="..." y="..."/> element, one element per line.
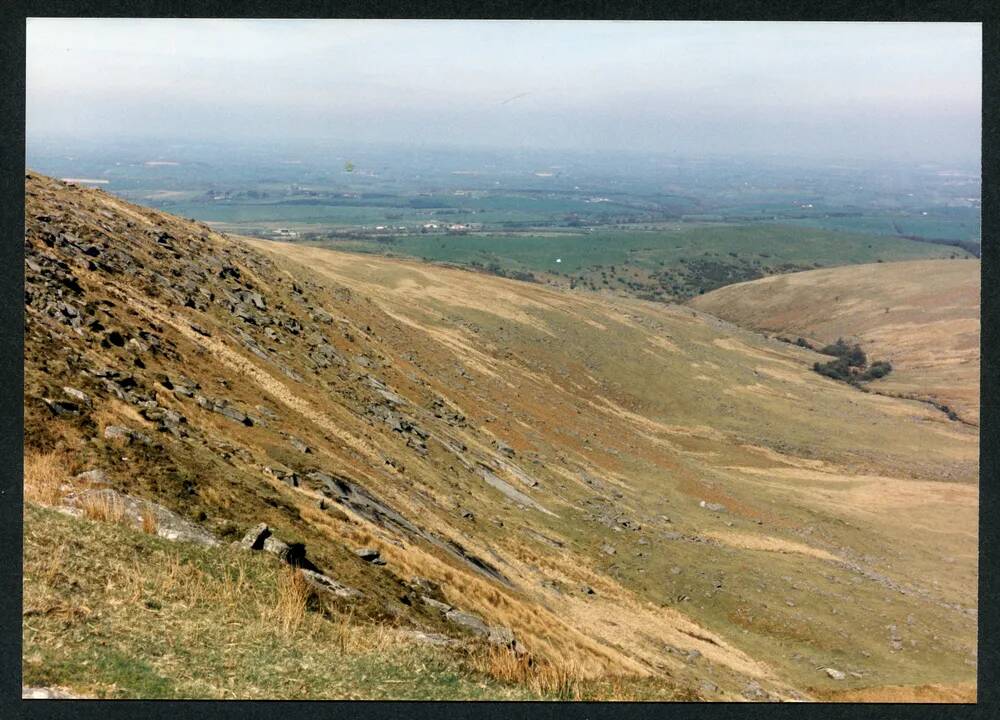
<point x="852" y="354"/>
<point x="878" y="369"/>
<point x="850" y="364"/>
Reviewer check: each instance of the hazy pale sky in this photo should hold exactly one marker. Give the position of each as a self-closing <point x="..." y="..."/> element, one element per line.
<point x="896" y="90"/>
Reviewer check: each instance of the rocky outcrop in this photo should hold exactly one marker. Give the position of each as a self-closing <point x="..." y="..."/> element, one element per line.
<point x="168" y="524"/>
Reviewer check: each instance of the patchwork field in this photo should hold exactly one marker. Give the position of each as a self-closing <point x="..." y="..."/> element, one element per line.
<point x="666" y="261"/>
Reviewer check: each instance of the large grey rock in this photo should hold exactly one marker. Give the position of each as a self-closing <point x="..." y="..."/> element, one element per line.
<point x="94" y="477"/>
<point x="499" y="635"/>
<point x="441" y="607"/>
<point x="255" y="537"/>
<point x="77" y="395"/>
<point x="371" y="555"/>
<point x="468" y="621"/>
<point x="276" y="547"/>
<point x="117" y="432"/>
<point x="510" y="491"/>
<point x="328" y="584"/>
<point x="713" y="507"/>
<point x="427" y="587"/>
<point x="835" y="674"/>
<point x="169" y="525"/>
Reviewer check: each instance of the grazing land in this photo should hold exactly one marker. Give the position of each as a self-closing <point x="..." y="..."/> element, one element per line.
<point x="673" y="262"/>
<point x="511" y="489"/>
<point x="921" y="316"/>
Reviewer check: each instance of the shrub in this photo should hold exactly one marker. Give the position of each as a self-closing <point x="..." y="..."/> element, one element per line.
<point x="837" y="369"/>
<point x="837" y="349"/>
<point x="878" y="369"/>
<point x="852" y="354"/>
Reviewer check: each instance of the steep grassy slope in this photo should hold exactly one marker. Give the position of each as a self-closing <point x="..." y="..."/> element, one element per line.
<point x="635" y="490"/>
<point x="923" y="316"/>
<point x="138" y="616"/>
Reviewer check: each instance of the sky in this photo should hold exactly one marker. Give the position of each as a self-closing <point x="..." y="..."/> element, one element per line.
<point x="899" y="91"/>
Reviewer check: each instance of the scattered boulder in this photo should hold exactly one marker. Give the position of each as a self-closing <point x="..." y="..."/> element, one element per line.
<point x="500" y="635"/>
<point x="505" y="449"/>
<point x="371" y="555"/>
<point x="427" y="587"/>
<point x="93" y="477"/>
<point x="713" y="507"/>
<point x="222" y="407"/>
<point x="77" y="395"/>
<point x="467" y="621"/>
<point x="441" y="607"/>
<point x="62" y="407"/>
<point x="276" y="547"/>
<point x="117" y="432"/>
<point x="255" y="537"/>
<point x="834" y="673"/>
<point x="328" y="584"/>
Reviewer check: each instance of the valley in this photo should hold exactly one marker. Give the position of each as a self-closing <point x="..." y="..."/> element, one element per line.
<point x="657" y="500"/>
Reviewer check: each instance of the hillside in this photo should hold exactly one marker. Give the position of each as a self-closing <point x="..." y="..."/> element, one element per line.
<point x="632" y="494"/>
<point x="922" y="316"/>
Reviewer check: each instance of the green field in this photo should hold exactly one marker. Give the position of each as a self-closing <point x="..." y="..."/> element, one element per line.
<point x="674" y="261"/>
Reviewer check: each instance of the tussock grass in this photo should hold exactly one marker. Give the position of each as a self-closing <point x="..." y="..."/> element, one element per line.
<point x="150" y="522"/>
<point x="103" y="507"/>
<point x="562" y="682"/>
<point x="182" y="621"/>
<point x="44" y="476"/>
<point x="293" y="596"/>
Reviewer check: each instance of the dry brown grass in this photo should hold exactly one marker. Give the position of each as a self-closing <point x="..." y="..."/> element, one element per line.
<point x="150" y="523"/>
<point x="292" y="600"/>
<point x="103" y="507"/>
<point x="44" y="475"/>
<point x="539" y="676"/>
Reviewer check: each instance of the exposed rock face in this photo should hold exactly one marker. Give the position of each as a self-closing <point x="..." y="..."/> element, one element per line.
<point x="169" y="525"/>
<point x="468" y="621"/>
